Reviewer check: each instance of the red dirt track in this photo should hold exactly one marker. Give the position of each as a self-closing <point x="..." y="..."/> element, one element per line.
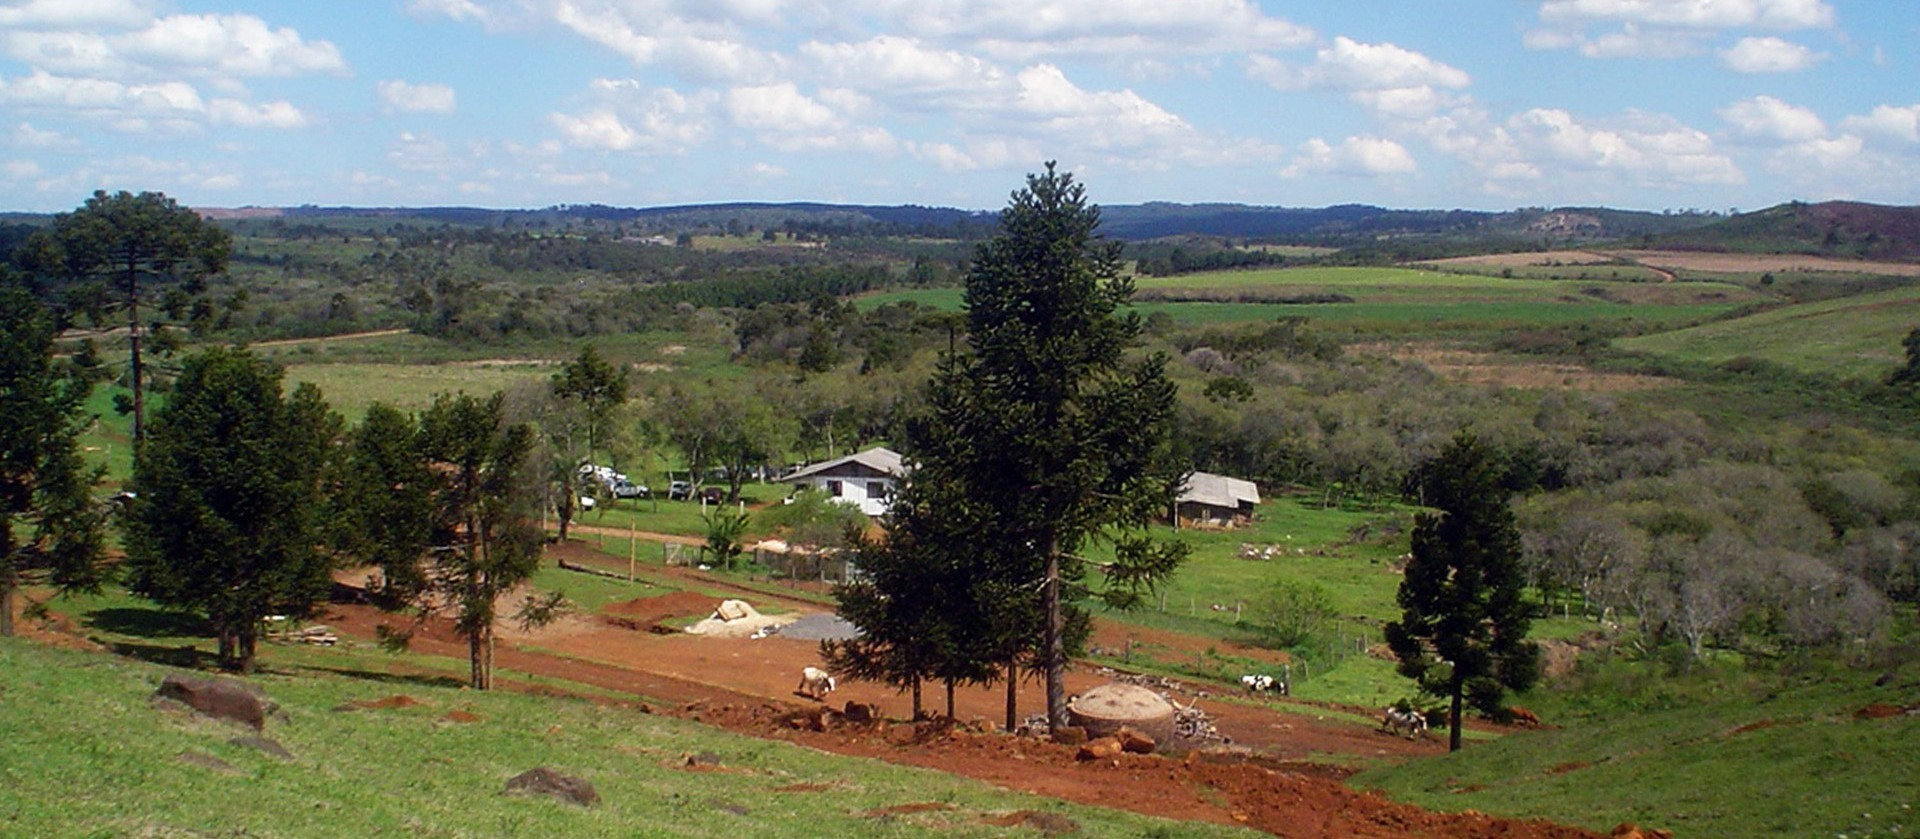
<point x="1268" y="781"/>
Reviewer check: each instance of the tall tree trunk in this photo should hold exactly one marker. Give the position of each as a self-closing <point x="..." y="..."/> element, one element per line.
<point x="1013" y="687"/>
<point x="476" y="676"/>
<point x="133" y="344"/>
<point x="226" y="655"/>
<point x="1056" y="649"/>
<point x="917" y="713"/>
<point x="7" y="585"/>
<point x="1453" y="725"/>
<point x="950" y="714"/>
<point x="247" y="645"/>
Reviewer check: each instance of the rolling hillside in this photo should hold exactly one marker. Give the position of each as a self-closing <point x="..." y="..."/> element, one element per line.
<point x="1855" y="337"/>
<point x="1835" y="228"/>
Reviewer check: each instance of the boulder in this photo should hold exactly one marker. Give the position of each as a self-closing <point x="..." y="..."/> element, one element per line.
<point x="733" y="610"/>
<point x="860" y="713"/>
<point x="1070" y="735"/>
<point x="542" y="780"/>
<point x="222" y="699"/>
<point x="1100" y="749"/>
<point x="1135" y="742"/>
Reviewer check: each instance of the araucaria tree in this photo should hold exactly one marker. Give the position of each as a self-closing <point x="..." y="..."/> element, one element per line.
<point x="224" y="518"/>
<point x="483" y="541"/>
<point x="49" y="526"/>
<point x="1048" y="435"/>
<point x="1463" y="624"/>
<point x="132" y="243"/>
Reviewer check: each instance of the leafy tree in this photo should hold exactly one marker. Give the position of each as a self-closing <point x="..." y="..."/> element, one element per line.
<point x="387" y="500"/>
<point x="50" y="530"/>
<point x="1047" y="433"/>
<point x="225" y="514"/>
<point x="1289" y="613"/>
<point x="1910" y="373"/>
<point x="483" y="542"/>
<point x="1463" y="625"/>
<point x="132" y="243"/>
<point x="725" y="526"/>
<point x="596" y="384"/>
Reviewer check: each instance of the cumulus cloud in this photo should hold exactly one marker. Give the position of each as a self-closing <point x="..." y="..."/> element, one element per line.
<point x="1769" y="55"/>
<point x="1351" y="65"/>
<point x="1648" y="149"/>
<point x="1029" y="29"/>
<point x="630" y="117"/>
<point x="1356" y="156"/>
<point x="26" y="136"/>
<point x="905" y="69"/>
<point x="1888" y="121"/>
<point x="1764" y="117"/>
<point x="404" y="97"/>
<point x="62" y="14"/>
<point x="1632" y="41"/>
<point x="281" y="115"/>
<point x="1697" y="14"/>
<point x="229" y="45"/>
<point x="651" y="33"/>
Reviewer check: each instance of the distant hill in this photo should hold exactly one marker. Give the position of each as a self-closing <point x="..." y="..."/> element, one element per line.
<point x="1835" y="228"/>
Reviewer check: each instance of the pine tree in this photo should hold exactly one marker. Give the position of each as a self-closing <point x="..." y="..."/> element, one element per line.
<point x="1462" y="632"/>
<point x="50" y="529"/>
<point x="224" y="518"/>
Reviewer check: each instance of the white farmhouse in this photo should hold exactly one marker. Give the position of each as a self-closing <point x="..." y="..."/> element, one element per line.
<point x="865" y="479"/>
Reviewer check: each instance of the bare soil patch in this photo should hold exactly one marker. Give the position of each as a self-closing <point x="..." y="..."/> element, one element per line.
<point x="1525" y="260"/>
<point x="1738" y="263"/>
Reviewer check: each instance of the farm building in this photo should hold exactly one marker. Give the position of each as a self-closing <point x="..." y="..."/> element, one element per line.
<point x="1209" y="500"/>
<point x="864" y="479"/>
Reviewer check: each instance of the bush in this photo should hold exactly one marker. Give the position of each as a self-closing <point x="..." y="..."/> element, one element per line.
<point x="1289" y="613"/>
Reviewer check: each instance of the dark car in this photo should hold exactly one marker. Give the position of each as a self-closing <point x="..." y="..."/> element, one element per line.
<point x="713" y="495"/>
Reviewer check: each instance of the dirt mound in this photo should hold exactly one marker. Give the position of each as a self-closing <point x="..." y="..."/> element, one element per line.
<point x="651" y="610"/>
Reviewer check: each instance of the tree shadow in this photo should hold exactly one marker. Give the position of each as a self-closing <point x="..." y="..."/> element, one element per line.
<point x="149" y="623"/>
<point x="187" y="657"/>
<point x="420" y="679"/>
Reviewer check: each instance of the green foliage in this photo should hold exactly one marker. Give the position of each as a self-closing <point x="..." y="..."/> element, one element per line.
<point x="812" y="518"/>
<point x="225" y="518"/>
<point x="1290" y="613"/>
<point x="134" y="242"/>
<point x="725" y="525"/>
<point x="50" y="528"/>
<point x="1462" y="632"/>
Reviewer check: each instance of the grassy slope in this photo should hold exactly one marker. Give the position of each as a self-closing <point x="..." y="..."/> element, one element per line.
<point x="1807" y="767"/>
<point x="1856" y="337"/>
<point x="84" y="755"/>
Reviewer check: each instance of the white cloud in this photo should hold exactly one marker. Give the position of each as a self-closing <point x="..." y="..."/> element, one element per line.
<point x="630" y="117"/>
<point x="1029" y="29"/>
<point x="652" y="33"/>
<point x="60" y="14"/>
<point x="1765" y="117"/>
<point x="1634" y="42"/>
<point x="282" y="115"/>
<point x="171" y="99"/>
<point x="778" y="107"/>
<point x="1351" y="65"/>
<point x="455" y="9"/>
<point x="1902" y="124"/>
<point x="404" y="97"/>
<point x="903" y="68"/>
<point x="1769" y="55"/>
<point x="28" y="137"/>
<point x="1697" y="14"/>
<point x="229" y="45"/>
<point x="429" y="154"/>
<point x="1357" y="156"/>
<point x="21" y="170"/>
<point x="1644" y="148"/>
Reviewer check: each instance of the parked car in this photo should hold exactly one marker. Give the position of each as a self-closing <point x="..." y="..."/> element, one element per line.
<point x="629" y="489"/>
<point x="680" y="491"/>
<point x="713" y="495"/>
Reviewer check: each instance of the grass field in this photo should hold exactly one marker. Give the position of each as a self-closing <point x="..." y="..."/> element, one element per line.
<point x="85" y="755"/>
<point x="1854" y="337"/>
<point x="1763" y="761"/>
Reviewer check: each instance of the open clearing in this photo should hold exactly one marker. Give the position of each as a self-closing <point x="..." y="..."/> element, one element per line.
<point x="1744" y="263"/>
<point x="1484" y="368"/>
<point x="1856" y="337"/>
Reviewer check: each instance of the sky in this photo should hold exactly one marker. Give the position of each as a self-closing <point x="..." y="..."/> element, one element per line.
<point x="1480" y="104"/>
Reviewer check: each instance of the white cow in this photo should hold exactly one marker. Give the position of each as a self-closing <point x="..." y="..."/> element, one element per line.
<point x="1257" y="682"/>
<point x="815" y="683"/>
<point x="1411" y="723"/>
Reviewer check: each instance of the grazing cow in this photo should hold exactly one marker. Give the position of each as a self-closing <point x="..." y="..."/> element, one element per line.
<point x="1396" y="721"/>
<point x="1523" y="717"/>
<point x="815" y="683"/>
<point x="1257" y="682"/>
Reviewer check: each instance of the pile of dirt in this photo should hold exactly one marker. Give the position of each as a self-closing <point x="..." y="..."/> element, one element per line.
<point x="646" y="611"/>
<point x="737" y="619"/>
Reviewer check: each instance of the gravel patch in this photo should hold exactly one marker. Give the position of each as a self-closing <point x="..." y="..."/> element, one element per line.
<point x="820" y="627"/>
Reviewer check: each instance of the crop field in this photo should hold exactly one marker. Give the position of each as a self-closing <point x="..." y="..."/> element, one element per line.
<point x="350" y="388"/>
<point x="1745" y="263"/>
<point x="1854" y="337"/>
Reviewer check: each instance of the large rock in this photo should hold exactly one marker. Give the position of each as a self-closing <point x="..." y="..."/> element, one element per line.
<point x="541" y="780"/>
<point x="223" y="699"/>
<point x="1104" y="710"/>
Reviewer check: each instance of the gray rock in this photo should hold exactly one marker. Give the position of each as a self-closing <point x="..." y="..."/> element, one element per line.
<point x="264" y="744"/>
<point x="223" y="699"/>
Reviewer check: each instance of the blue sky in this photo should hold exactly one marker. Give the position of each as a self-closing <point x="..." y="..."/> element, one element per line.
<point x="1650" y="104"/>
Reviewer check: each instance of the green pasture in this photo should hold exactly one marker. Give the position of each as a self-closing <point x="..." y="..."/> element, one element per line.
<point x="85" y="755"/>
<point x="1762" y="760"/>
<point x="1854" y="337"/>
<point x="350" y="388"/>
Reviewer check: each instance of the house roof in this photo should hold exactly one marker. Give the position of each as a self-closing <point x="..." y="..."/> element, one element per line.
<point x="1217" y="491"/>
<point x="879" y="459"/>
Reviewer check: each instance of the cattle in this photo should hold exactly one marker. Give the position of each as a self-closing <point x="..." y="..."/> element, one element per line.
<point x="1258" y="682"/>
<point x="1523" y="717"/>
<point x="815" y="683"/>
<point x="1410" y="723"/>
